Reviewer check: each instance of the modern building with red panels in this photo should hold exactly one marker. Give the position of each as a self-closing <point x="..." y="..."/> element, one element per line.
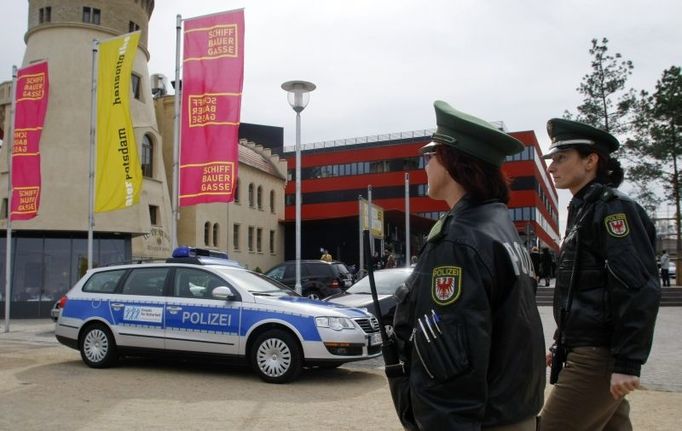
<point x="335" y="174"/>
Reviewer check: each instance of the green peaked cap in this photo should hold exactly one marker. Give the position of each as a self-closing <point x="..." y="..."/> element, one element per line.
<point x="567" y="134"/>
<point x="471" y="135"/>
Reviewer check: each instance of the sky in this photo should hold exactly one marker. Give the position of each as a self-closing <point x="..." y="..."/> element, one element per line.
<point x="379" y="64"/>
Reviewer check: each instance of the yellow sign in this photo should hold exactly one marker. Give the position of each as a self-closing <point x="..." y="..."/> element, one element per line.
<point x="377" y="218"/>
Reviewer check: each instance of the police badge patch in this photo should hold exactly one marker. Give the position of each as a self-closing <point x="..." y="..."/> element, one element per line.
<point x="617" y="225"/>
<point x="446" y="284"/>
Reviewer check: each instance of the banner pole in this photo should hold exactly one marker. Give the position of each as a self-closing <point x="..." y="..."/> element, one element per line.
<point x="408" y="254"/>
<point x="176" y="134"/>
<point x="361" y="264"/>
<point x="369" y="220"/>
<point x="8" y="239"/>
<point x="93" y="152"/>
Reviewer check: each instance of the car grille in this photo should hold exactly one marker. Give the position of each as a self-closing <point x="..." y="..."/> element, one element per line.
<point x="368" y="325"/>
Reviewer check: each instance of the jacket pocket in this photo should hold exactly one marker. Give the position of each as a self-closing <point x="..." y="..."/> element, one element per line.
<point x="441" y="348"/>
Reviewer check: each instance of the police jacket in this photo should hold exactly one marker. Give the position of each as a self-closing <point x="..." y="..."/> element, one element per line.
<point x="468" y="325"/>
<point x="608" y="264"/>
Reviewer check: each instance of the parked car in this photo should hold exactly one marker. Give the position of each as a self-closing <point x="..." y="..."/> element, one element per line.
<point x="360" y="295"/>
<point x="319" y="279"/>
<point x="200" y="306"/>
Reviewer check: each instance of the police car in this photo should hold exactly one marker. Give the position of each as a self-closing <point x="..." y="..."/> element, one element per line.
<point x="194" y="304"/>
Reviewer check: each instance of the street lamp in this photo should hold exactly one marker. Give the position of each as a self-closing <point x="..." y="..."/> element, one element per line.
<point x="298" y="94"/>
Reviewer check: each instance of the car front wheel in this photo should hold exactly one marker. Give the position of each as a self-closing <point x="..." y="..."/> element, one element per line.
<point x="98" y="347"/>
<point x="276" y="356"/>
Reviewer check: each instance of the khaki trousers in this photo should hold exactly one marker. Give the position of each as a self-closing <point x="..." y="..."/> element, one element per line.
<point x="581" y="400"/>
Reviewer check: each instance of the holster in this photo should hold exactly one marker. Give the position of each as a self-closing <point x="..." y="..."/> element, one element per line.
<point x="559" y="355"/>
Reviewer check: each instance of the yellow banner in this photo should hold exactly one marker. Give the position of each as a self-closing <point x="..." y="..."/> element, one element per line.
<point x="118" y="177"/>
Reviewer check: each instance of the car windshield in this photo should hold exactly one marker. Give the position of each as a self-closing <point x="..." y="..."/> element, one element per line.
<point x="387" y="282"/>
<point x="255" y="283"/>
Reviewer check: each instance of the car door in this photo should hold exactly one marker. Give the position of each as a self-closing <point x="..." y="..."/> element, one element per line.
<point x="197" y="322"/>
<point x="137" y="311"/>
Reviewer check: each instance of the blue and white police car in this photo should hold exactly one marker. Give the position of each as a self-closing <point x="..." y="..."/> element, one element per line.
<point x="207" y="305"/>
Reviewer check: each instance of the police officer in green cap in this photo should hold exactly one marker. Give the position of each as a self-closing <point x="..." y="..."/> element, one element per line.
<point x="467" y="325"/>
<point x="607" y="289"/>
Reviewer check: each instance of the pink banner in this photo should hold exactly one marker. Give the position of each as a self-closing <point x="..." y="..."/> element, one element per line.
<point x="212" y="78"/>
<point x="31" y="105"/>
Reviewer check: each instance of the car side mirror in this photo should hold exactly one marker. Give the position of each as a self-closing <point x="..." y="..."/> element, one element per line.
<point x="223" y="292"/>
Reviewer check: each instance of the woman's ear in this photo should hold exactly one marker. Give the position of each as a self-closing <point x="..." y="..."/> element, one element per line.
<point x="592" y="161"/>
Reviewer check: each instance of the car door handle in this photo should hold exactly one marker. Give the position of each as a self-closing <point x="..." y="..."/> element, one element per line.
<point x="117" y="306"/>
<point x="173" y="309"/>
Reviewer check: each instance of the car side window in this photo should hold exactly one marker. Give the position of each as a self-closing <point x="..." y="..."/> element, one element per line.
<point x="195" y="283"/>
<point x="145" y="282"/>
<point x="277" y="273"/>
<point x="103" y="282"/>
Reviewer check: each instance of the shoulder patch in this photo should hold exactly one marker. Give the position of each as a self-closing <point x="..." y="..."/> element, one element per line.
<point x="617" y="225"/>
<point x="446" y="284"/>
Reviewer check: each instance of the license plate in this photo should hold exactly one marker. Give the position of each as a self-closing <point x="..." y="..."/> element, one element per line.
<point x="375" y="339"/>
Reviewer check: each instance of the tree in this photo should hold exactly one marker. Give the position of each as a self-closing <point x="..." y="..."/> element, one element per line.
<point x="657" y="143"/>
<point x="606" y="103"/>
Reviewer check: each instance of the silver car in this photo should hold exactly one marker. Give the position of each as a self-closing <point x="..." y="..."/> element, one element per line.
<point x="210" y="309"/>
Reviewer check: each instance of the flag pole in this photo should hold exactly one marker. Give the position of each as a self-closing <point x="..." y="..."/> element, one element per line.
<point x="8" y="239"/>
<point x="408" y="254"/>
<point x="176" y="135"/>
<point x="93" y="151"/>
<point x="361" y="264"/>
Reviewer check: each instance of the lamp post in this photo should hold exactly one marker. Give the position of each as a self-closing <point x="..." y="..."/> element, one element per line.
<point x="298" y="94"/>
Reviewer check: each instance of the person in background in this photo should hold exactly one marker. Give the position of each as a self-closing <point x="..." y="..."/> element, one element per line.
<point x="665" y="268"/>
<point x="326" y="256"/>
<point x="467" y="326"/>
<point x="388" y="260"/>
<point x="535" y="260"/>
<point x="607" y="290"/>
<point x="546" y="263"/>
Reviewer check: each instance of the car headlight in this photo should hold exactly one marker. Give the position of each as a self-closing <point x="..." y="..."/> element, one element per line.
<point x="335" y="323"/>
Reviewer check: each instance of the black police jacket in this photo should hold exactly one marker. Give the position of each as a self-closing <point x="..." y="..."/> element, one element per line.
<point x="610" y="250"/>
<point x="468" y="326"/>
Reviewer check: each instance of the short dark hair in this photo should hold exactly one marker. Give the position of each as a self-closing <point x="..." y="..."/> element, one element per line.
<point x="482" y="181"/>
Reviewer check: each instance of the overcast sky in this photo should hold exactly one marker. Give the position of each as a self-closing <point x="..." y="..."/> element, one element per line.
<point x="379" y="64"/>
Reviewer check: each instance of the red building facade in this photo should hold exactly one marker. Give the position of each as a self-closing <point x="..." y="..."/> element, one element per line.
<point x="335" y="174"/>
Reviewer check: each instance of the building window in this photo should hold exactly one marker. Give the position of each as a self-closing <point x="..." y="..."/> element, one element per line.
<point x="272" y="201"/>
<point x="236" y="192"/>
<point x="272" y="242"/>
<point x="44" y="14"/>
<point x="91" y="15"/>
<point x="259" y="240"/>
<point x="133" y="27"/>
<point x="250" y="238"/>
<point x="135" y="81"/>
<point x="153" y="215"/>
<point x="251" y="195"/>
<point x="235" y="236"/>
<point x="216" y="231"/>
<point x="259" y="197"/>
<point x="147" y="157"/>
<point x="207" y="231"/>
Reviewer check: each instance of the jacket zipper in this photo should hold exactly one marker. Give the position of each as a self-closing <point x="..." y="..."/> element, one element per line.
<point x="416" y="348"/>
<point x="608" y="268"/>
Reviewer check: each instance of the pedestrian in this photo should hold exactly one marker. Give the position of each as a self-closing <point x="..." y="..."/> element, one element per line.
<point x="665" y="268"/>
<point x="467" y="326"/>
<point x="535" y="260"/>
<point x="388" y="260"/>
<point x="326" y="256"/>
<point x="546" y="263"/>
<point x="607" y="289"/>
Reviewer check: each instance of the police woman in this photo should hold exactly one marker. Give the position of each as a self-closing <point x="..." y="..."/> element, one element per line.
<point x="607" y="289"/>
<point x="468" y="328"/>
